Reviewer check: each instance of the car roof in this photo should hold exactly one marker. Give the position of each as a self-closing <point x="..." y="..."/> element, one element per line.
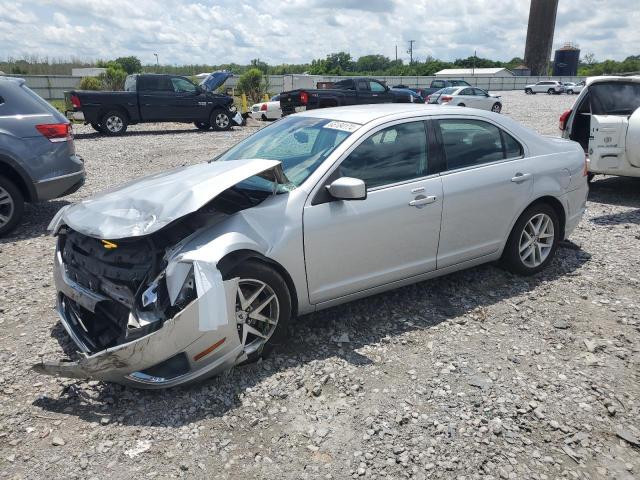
<point x="362" y="114"/>
<point x="613" y="78"/>
<point x="12" y="79"/>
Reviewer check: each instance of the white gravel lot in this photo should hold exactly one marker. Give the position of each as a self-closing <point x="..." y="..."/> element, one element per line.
<point x="477" y="375"/>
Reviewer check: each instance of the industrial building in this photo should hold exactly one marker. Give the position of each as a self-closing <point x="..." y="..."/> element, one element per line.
<point x="475" y="72"/>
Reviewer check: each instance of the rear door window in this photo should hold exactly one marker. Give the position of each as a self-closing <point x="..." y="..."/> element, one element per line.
<point x="614" y="98"/>
<point x="468" y="142"/>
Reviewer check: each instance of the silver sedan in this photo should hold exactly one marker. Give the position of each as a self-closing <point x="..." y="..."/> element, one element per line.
<point x="467" y="97"/>
<point x="184" y="274"/>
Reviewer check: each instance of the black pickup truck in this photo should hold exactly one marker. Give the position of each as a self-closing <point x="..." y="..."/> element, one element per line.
<point x="440" y="84"/>
<point x="156" y="98"/>
<point x="351" y="91"/>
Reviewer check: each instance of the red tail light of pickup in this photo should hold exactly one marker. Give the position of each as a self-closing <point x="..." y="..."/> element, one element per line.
<point x="304" y="98"/>
<point x="75" y="101"/>
<point x="563" y="120"/>
<point x="56" y="132"/>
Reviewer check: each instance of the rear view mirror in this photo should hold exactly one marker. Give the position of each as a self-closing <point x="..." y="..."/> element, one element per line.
<point x="347" y="188"/>
<point x="301" y="137"/>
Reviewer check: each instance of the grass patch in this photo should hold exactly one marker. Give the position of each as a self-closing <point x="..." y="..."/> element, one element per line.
<point x="58" y="105"/>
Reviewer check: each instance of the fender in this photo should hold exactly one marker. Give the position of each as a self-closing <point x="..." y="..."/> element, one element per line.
<point x="7" y="162"/>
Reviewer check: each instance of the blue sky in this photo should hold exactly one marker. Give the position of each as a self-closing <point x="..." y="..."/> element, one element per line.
<point x="297" y="31"/>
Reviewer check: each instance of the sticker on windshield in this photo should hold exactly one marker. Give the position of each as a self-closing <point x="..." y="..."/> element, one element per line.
<point x="344" y="126"/>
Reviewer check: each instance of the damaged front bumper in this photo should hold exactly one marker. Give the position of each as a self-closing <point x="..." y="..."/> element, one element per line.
<point x="199" y="341"/>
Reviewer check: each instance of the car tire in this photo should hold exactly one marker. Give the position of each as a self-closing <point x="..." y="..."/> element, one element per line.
<point x="461" y="105"/>
<point x="551" y="91"/>
<point x="264" y="118"/>
<point x="202" y="125"/>
<point x="252" y="275"/>
<point x="114" y="123"/>
<point x="529" y="260"/>
<point x="97" y="127"/>
<point x="590" y="176"/>
<point x="11" y="206"/>
<point x="497" y="107"/>
<point x="569" y="92"/>
<point x="528" y="91"/>
<point x="220" y="120"/>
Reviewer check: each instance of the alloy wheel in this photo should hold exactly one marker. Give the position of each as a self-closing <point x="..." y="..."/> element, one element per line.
<point x="7" y="207"/>
<point x="496" y="108"/>
<point x="536" y="240"/>
<point x="257" y="313"/>
<point x="222" y="120"/>
<point x="114" y="124"/>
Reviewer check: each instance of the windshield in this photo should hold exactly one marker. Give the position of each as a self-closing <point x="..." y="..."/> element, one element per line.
<point x="300" y="143"/>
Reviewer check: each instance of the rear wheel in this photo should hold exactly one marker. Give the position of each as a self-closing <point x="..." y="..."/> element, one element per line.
<point x="263" y="308"/>
<point x="528" y="91"/>
<point x="533" y="241"/>
<point x="114" y="123"/>
<point x="570" y="92"/>
<point x="202" y="125"/>
<point x="461" y="105"/>
<point x="220" y="120"/>
<point x="264" y="117"/>
<point x="11" y="205"/>
<point x="496" y="107"/>
<point x="97" y="127"/>
<point x="551" y="91"/>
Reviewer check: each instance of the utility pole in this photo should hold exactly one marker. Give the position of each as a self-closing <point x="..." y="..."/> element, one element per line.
<point x="473" y="67"/>
<point x="410" y="51"/>
<point x="396" y="53"/>
<point x="157" y="63"/>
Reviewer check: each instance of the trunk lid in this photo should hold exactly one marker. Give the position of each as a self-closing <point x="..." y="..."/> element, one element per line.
<point x="144" y="206"/>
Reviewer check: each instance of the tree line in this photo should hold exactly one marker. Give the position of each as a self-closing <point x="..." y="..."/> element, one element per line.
<point x="340" y="63"/>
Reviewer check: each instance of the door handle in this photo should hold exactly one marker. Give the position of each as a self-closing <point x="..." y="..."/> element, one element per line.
<point x="521" y="177"/>
<point x="418" y="202"/>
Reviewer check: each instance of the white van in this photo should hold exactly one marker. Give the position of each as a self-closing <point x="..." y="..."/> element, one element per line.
<point x="605" y="120"/>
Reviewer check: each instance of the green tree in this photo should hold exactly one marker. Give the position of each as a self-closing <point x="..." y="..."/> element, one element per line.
<point x="113" y="78"/>
<point x="129" y="64"/>
<point x="90" y="83"/>
<point x="253" y="85"/>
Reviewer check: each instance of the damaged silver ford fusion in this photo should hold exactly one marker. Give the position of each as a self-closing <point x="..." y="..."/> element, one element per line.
<point x="140" y="291"/>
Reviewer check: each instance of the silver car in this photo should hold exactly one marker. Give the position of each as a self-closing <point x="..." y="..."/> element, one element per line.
<point x="184" y="274"/>
<point x="467" y="97"/>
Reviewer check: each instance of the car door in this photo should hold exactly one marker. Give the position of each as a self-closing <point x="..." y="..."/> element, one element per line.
<point x="540" y="87"/>
<point x="379" y="93"/>
<point x="354" y="245"/>
<point x="188" y="103"/>
<point x="465" y="97"/>
<point x="155" y="93"/>
<point x="483" y="100"/>
<point x="487" y="182"/>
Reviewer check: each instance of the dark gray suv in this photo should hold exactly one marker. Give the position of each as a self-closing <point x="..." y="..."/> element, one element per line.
<point x="37" y="156"/>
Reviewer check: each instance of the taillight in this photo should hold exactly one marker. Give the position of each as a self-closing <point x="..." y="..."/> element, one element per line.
<point x="304" y="98"/>
<point x="56" y="132"/>
<point x="563" y="120"/>
<point x="447" y="98"/>
<point x="263" y="107"/>
<point x="75" y="101"/>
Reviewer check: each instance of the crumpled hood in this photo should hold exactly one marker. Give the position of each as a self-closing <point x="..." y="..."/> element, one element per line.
<point x="144" y="206"/>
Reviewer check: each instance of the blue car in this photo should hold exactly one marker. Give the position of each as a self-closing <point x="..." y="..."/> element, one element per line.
<point x="38" y="160"/>
<point x="415" y="97"/>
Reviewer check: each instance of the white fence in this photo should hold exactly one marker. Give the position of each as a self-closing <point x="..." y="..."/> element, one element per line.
<point x="52" y="87"/>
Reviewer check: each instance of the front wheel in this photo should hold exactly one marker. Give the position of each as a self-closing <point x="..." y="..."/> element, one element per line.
<point x="11" y="206"/>
<point x="97" y="127"/>
<point x="528" y="91"/>
<point x="114" y="123"/>
<point x="202" y="125"/>
<point x="497" y="108"/>
<point x="569" y="92"/>
<point x="461" y="105"/>
<point x="533" y="241"/>
<point x="551" y="91"/>
<point x="263" y="308"/>
<point x="220" y="120"/>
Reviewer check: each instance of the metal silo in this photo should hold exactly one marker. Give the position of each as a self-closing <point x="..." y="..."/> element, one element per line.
<point x="542" y="23"/>
<point x="565" y="61"/>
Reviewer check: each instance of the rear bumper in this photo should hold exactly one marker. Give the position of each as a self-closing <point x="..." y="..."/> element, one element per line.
<point x="575" y="205"/>
<point x="60" y="186"/>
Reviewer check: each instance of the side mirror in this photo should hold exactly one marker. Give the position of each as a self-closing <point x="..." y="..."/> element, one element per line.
<point x="347" y="188"/>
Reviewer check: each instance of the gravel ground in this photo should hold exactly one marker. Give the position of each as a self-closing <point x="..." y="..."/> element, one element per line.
<point x="480" y="374"/>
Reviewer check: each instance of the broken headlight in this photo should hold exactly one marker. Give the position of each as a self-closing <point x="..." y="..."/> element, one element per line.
<point x="188" y="291"/>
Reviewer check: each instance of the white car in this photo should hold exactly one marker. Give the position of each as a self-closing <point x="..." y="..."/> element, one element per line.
<point x="467" y="97"/>
<point x="570" y="87"/>
<point x="547" y="86"/>
<point x="267" y="110"/>
<point x="605" y="120"/>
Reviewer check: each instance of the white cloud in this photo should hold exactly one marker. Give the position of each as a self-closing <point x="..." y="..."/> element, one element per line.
<point x="295" y="31"/>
